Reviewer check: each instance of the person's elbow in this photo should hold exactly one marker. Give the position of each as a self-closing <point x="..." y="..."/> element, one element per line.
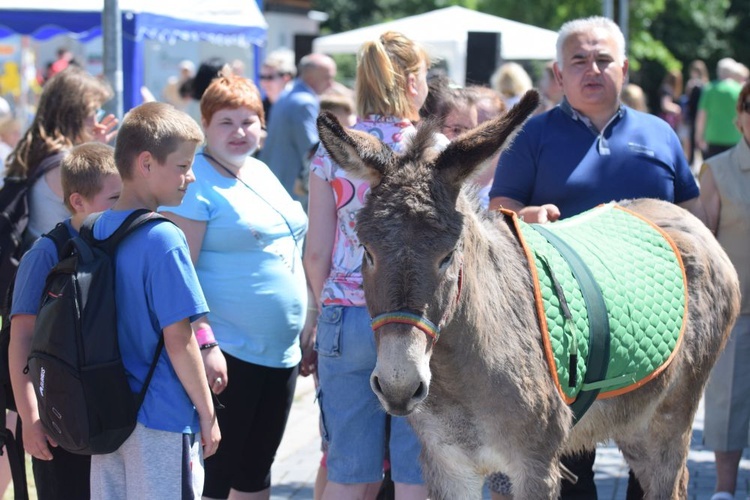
<point x="695" y="207"/>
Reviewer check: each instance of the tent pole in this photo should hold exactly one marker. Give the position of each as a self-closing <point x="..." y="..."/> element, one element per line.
<point x="112" y="40"/>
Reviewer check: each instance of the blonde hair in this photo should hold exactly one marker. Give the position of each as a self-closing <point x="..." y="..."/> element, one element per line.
<point x="383" y="69"/>
<point x="83" y="170"/>
<point x="156" y="127"/>
<point x="282" y="62"/>
<point x="511" y="80"/>
<point x="633" y="96"/>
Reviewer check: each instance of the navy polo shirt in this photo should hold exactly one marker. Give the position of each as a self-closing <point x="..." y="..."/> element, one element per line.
<point x="560" y="158"/>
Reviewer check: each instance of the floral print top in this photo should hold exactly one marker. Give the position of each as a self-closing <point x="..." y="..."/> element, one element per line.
<point x="344" y="283"/>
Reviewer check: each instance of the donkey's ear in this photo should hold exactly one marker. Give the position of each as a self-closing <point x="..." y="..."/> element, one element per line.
<point x="361" y="154"/>
<point x="467" y="152"/>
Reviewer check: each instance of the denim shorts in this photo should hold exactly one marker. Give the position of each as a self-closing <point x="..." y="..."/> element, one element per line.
<point x="353" y="421"/>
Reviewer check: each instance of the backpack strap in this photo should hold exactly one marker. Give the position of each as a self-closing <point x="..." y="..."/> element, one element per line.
<point x="49" y="163"/>
<point x="17" y="462"/>
<point x="133" y="221"/>
<point x="151" y="370"/>
<point x="59" y="236"/>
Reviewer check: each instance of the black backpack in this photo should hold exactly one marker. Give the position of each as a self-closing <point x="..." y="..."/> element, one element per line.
<point x="14" y="217"/>
<point x="85" y="402"/>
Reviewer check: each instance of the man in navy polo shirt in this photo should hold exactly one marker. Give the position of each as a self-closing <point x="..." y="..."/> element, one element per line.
<point x="589" y="150"/>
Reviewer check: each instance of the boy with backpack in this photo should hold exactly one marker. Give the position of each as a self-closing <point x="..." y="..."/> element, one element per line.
<point x="91" y="183"/>
<point x="157" y="294"/>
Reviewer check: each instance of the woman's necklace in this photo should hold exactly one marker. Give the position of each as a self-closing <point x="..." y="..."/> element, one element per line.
<point x="236" y="175"/>
<point x="207" y="155"/>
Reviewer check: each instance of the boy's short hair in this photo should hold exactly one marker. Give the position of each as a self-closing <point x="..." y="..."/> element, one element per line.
<point x="156" y="127"/>
<point x="83" y="170"/>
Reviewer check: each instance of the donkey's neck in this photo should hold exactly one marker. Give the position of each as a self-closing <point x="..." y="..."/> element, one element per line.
<point x="495" y="321"/>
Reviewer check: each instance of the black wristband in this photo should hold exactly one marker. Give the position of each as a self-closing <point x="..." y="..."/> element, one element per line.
<point x="209" y="345"/>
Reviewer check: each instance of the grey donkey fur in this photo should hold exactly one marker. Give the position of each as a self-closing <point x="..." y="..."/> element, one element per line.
<point x="481" y="399"/>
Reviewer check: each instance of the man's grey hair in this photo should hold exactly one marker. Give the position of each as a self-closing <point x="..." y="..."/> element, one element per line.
<point x="586" y="24"/>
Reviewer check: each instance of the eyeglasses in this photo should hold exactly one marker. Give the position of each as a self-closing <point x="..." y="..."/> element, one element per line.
<point x="269" y="77"/>
<point x="746" y="107"/>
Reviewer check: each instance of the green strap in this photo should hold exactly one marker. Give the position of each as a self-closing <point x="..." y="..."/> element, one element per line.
<point x="597" y="362"/>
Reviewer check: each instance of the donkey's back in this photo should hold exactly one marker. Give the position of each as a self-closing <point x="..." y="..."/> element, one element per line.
<point x="652" y="425"/>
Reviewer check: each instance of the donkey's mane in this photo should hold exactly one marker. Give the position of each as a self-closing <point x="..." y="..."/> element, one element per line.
<point x="421" y="142"/>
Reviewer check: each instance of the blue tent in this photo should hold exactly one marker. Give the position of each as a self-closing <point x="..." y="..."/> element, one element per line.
<point x="223" y="22"/>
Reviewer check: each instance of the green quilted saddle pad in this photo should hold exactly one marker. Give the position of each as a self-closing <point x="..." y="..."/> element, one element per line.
<point x="642" y="282"/>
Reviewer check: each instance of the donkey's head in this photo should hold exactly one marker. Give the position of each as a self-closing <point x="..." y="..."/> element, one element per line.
<point x="411" y="228"/>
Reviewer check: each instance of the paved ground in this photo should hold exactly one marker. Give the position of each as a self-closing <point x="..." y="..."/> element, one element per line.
<point x="299" y="455"/>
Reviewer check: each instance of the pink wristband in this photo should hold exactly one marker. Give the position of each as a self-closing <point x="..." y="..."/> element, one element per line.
<point x="205" y="336"/>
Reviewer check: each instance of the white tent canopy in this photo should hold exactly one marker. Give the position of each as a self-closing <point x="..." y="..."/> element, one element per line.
<point x="444" y="32"/>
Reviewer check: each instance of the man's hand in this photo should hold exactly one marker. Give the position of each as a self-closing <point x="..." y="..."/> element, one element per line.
<point x="541" y="215"/>
<point x="216" y="369"/>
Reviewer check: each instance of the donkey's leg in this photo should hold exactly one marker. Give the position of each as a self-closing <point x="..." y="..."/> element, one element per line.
<point x="450" y="473"/>
<point x="658" y="455"/>
<point x="533" y="477"/>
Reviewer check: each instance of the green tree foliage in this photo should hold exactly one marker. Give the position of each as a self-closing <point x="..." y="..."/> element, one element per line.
<point x="345" y="15"/>
<point x="739" y="37"/>
<point x="663" y="34"/>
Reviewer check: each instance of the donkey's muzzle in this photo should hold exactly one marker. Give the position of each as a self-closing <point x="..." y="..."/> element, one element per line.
<point x="398" y="399"/>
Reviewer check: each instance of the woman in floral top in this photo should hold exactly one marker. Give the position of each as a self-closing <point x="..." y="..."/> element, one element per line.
<point x="353" y="421"/>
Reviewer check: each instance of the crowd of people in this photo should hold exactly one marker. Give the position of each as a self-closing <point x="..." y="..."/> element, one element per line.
<point x="259" y="278"/>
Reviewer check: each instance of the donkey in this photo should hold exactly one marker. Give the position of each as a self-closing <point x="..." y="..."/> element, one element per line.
<point x="481" y="398"/>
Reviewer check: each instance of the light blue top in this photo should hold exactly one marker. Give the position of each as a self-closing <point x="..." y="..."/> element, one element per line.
<point x="250" y="265"/>
<point x="36" y="263"/>
<point x="156" y="286"/>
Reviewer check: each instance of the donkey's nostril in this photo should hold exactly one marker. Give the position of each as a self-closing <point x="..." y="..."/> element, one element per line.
<point x="419" y="393"/>
<point x="376" y="385"/>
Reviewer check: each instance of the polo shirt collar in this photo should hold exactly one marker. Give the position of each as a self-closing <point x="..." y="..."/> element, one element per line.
<point x="575" y="115"/>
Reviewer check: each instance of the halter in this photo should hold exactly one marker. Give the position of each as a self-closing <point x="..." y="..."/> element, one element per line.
<point x="405" y="317"/>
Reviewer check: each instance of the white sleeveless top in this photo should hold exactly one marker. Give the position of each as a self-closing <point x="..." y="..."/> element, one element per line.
<point x="46" y="209"/>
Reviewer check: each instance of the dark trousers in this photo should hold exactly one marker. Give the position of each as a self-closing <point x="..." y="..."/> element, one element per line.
<point x="582" y="465"/>
<point x="65" y="477"/>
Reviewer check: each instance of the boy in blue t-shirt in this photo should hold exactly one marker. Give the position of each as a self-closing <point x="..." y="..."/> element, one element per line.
<point x="158" y="292"/>
<point x="90" y="184"/>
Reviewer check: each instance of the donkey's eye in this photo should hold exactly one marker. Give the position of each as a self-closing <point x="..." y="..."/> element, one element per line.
<point x="446" y="260"/>
<point x="368" y="257"/>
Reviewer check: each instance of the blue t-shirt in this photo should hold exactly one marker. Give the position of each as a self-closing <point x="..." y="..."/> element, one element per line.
<point x="156" y="286"/>
<point x="558" y="158"/>
<point x="32" y="273"/>
<point x="250" y="265"/>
